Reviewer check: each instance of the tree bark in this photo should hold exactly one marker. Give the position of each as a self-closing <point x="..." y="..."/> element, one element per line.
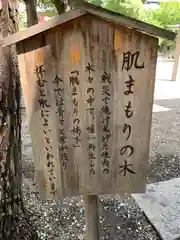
<point x="60" y="6"/>
<point x="76" y="3"/>
<point x="13" y="219"/>
<point x="32" y="17"/>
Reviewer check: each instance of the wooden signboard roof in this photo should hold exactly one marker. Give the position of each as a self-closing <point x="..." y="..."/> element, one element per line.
<point x="93" y="10"/>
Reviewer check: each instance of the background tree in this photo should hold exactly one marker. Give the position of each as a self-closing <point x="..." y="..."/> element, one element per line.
<point x="31" y="11"/>
<point x="14" y="222"/>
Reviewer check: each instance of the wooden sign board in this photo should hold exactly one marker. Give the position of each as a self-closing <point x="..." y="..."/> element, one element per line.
<point x="88" y="89"/>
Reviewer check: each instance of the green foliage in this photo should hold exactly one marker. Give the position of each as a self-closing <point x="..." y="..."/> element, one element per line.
<point x="168" y="13"/>
<point x="131" y="8"/>
<point x="96" y="2"/>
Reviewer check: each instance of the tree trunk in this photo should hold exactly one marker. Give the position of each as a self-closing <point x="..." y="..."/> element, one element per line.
<point x="76" y="3"/>
<point x="32" y="17"/>
<point x="13" y="219"/>
<point x="60" y="6"/>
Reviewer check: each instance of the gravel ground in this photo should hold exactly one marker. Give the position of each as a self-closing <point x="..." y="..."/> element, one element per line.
<point x="121" y="218"/>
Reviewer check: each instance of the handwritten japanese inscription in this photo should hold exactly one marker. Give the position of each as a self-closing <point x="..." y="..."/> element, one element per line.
<point x="93" y="114"/>
<point x="130" y="60"/>
<point x="45" y="111"/>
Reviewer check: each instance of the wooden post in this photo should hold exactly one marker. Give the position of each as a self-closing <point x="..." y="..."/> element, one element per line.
<point x="177" y="58"/>
<point x="92" y="217"/>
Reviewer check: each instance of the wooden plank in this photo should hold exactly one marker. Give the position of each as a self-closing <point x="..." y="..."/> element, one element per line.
<point x="177" y="58"/>
<point x="92" y="217"/>
<point x="44" y="138"/>
<point x="42" y="27"/>
<point x="86" y="86"/>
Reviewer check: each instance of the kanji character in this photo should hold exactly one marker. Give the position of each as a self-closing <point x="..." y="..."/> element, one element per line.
<point x="74" y="80"/>
<point x="46" y="122"/>
<point x="105" y="128"/>
<point x="62" y="147"/>
<point x="76" y="140"/>
<point x="91" y="155"/>
<point x="92" y="171"/>
<point x="60" y="101"/>
<point x="74" y="91"/>
<point x="130" y="60"/>
<point x="91" y="128"/>
<point x="57" y="81"/>
<point x="105" y="120"/>
<point x="105" y="154"/>
<point x="106" y="99"/>
<point x="90" y="100"/>
<point x="106" y="90"/>
<point x="89" y="68"/>
<point x="60" y="108"/>
<point x="126" y="168"/>
<point x="105" y="144"/>
<point x="105" y="140"/>
<point x="60" y="112"/>
<point x="62" y="139"/>
<point x="106" y="78"/>
<point x="76" y="130"/>
<point x="91" y="147"/>
<point x="39" y="70"/>
<point x="105" y="109"/>
<point x="43" y="103"/>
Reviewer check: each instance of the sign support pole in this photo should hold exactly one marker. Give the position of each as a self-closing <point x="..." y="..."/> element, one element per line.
<point x="91" y="203"/>
<point x="177" y="58"/>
